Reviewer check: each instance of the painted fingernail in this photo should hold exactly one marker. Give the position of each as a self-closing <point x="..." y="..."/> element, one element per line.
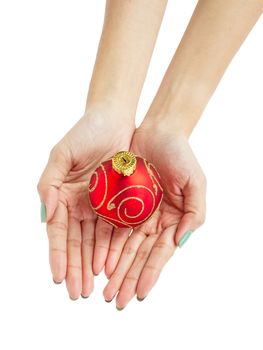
<point x="119" y="308"/>
<point x="84" y="296"/>
<point x="185" y="237"/>
<point x="57" y="282"/>
<point x="140" y="299"/>
<point x="43" y="212"/>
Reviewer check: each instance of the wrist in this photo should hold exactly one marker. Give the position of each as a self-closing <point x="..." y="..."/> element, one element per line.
<point x="176" y="122"/>
<point x="112" y="99"/>
<point x="178" y="107"/>
<point x="163" y="126"/>
<point x="111" y="112"/>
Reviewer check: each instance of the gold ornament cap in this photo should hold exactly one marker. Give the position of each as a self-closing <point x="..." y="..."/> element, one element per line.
<point x="124" y="163"/>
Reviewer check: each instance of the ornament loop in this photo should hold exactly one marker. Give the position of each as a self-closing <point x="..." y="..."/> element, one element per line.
<point x="124" y="163"/>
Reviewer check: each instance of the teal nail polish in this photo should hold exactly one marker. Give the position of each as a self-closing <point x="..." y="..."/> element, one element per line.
<point x="43" y="212"/>
<point x="185" y="238"/>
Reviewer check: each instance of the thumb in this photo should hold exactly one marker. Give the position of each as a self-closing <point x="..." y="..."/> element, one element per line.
<point x="53" y="176"/>
<point x="194" y="210"/>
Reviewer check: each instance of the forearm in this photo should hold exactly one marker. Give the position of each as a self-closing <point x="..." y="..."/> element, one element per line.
<point x="213" y="36"/>
<point x="128" y="37"/>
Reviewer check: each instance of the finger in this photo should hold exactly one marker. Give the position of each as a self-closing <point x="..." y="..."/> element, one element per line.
<point x="88" y="228"/>
<point x="74" y="266"/>
<point x="103" y="232"/>
<point x="194" y="208"/>
<point x="118" y="239"/>
<point x="57" y="168"/>
<point x="128" y="287"/>
<point x="161" y="252"/>
<point x="57" y="230"/>
<point x="125" y="262"/>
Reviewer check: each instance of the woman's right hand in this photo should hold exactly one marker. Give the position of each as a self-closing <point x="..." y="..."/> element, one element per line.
<point x="74" y="253"/>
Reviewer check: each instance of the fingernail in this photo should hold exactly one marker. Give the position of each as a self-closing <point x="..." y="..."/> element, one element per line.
<point x="74" y="299"/>
<point x="95" y="274"/>
<point x="185" y="237"/>
<point x="57" y="282"/>
<point x="140" y="299"/>
<point x="108" y="301"/>
<point x="119" y="308"/>
<point x="43" y="212"/>
<point x="84" y="296"/>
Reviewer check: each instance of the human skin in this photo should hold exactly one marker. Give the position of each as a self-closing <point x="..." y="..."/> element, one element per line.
<point x="214" y="34"/>
<point x="78" y="242"/>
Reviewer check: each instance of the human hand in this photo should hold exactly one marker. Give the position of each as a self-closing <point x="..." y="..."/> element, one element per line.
<point x="182" y="210"/>
<point x="78" y="242"/>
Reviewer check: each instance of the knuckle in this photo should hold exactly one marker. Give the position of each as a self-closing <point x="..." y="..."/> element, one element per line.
<point x="153" y="269"/>
<point x="104" y="230"/>
<point x="128" y="250"/>
<point x="199" y="179"/>
<point x="73" y="242"/>
<point x="88" y="242"/>
<point x="102" y="246"/>
<point x="57" y="242"/>
<point x="200" y="219"/>
<point x="114" y="249"/>
<point x="56" y="237"/>
<point x="142" y="254"/>
<point x="39" y="187"/>
<point x="58" y="250"/>
<point x="53" y="152"/>
<point x="131" y="278"/>
<point x="72" y="266"/>
<point x="141" y="232"/>
<point x="56" y="153"/>
<point x="58" y="226"/>
<point x="161" y="245"/>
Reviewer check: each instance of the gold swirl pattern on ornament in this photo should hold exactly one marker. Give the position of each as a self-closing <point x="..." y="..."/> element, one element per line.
<point x="125" y="210"/>
<point x="111" y="205"/>
<point x="96" y="182"/>
<point x="106" y="185"/>
<point x="152" y="176"/>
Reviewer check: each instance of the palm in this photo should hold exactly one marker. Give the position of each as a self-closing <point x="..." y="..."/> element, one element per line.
<point x="174" y="162"/>
<point x="88" y="144"/>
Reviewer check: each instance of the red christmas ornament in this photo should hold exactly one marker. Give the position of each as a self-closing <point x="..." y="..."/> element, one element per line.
<point x="125" y="190"/>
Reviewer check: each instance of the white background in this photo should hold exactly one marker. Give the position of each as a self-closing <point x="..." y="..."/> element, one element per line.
<point x="210" y="294"/>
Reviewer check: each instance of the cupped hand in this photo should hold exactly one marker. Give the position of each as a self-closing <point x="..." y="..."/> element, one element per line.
<point x="182" y="210"/>
<point x="78" y="242"/>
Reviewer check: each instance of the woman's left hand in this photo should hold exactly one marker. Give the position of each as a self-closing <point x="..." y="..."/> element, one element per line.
<point x="182" y="210"/>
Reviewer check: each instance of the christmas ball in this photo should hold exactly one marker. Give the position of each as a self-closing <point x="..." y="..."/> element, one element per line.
<point x="125" y="190"/>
